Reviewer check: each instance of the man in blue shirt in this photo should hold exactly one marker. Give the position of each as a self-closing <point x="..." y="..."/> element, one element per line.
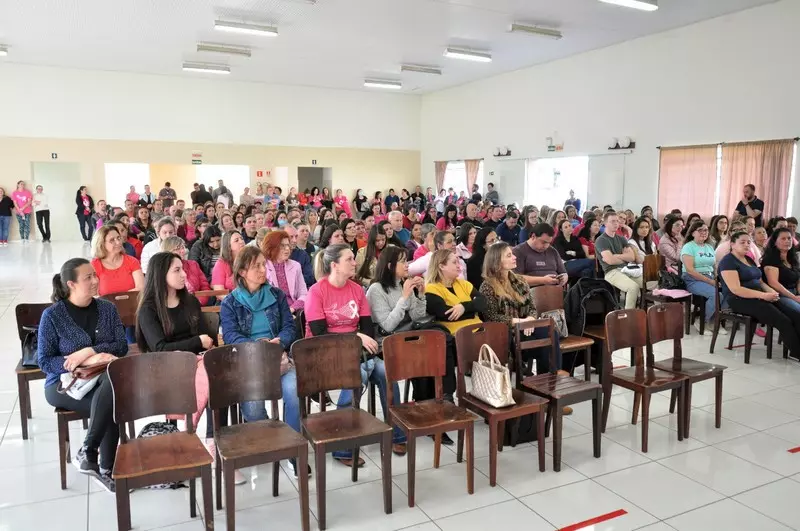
<point x="508" y="230"/>
<point x="300" y="256"/>
<point x="750" y="205"/>
<point x="396" y="219"/>
<point x="572" y="201"/>
<point x="391" y="197"/>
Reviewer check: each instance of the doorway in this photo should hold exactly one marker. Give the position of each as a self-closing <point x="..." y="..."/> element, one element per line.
<point x="309" y="177"/>
<point x="61" y="181"/>
<point x="551" y="179"/>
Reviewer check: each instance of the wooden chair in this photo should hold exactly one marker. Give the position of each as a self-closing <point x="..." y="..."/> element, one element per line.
<point x="28" y="317"/>
<point x="211" y="293"/>
<point x="419" y="354"/>
<point x="664" y="323"/>
<point x="158" y="383"/>
<point x="127" y="303"/>
<point x="243" y="373"/>
<point x="325" y="363"/>
<point x="63" y="418"/>
<point x="468" y="344"/>
<point x="651" y="269"/>
<point x="559" y="390"/>
<point x="549" y="298"/>
<point x="724" y="314"/>
<point x="628" y="329"/>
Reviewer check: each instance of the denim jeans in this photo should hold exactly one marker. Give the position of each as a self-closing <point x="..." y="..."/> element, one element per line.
<point x="698" y="287"/>
<point x="5" y="223"/>
<point x="580" y="267"/>
<point x="24" y="221"/>
<point x="372" y="371"/>
<point x="255" y="411"/>
<point x="789" y="304"/>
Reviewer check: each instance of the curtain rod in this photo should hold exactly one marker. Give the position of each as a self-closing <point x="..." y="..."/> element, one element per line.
<point x="795" y="139"/>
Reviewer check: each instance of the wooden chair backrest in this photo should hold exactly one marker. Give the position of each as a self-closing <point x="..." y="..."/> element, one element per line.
<point x="414" y="354"/>
<point x="211" y="293"/>
<point x="327" y="363"/>
<point x="154" y="383"/>
<point x="653" y="264"/>
<point x="245" y="372"/>
<point x="627" y="329"/>
<point x="212" y="324"/>
<point x="665" y="322"/>
<point x="29" y="315"/>
<point x="300" y="323"/>
<point x="521" y="344"/>
<point x="548" y="298"/>
<point x="126" y="303"/>
<point x="468" y="346"/>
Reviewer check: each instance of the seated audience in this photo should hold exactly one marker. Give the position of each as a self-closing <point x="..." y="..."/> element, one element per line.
<point x="441" y="240"/>
<point x="671" y="243"/>
<point x="571" y="252"/>
<point x="301" y="254"/>
<point x="485" y="238"/>
<point x="164" y="229"/>
<point x="453" y="302"/>
<point x="368" y="256"/>
<point x="250" y="230"/>
<point x="530" y="215"/>
<point x="697" y="256"/>
<point x="415" y="241"/>
<point x="760" y="238"/>
<point x="402" y="234"/>
<point x="349" y="233"/>
<point x="748" y="294"/>
<point x="614" y="254"/>
<point x="195" y="278"/>
<point x="205" y="251"/>
<point x="116" y="270"/>
<point x="718" y="230"/>
<point x="624" y="230"/>
<point x="509" y="230"/>
<point x="587" y="236"/>
<point x="81" y="330"/>
<point x="782" y="269"/>
<point x="689" y="220"/>
<point x="256" y="311"/>
<point x="724" y="248"/>
<point x="466" y="238"/>
<point x="332" y="235"/>
<point x="537" y="262"/>
<point x="142" y="227"/>
<point x="642" y="239"/>
<point x="449" y="220"/>
<point x="336" y="290"/>
<point x="283" y="272"/>
<point x="427" y="233"/>
<point x="222" y="276"/>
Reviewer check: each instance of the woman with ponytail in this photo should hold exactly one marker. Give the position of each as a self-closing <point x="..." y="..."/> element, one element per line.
<point x="81" y="330"/>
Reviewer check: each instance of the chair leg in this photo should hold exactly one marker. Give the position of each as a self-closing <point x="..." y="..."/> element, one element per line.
<point x="85" y="424"/>
<point x="540" y="438"/>
<point x="193" y="498"/>
<point x="470" y="439"/>
<point x="354" y="467"/>
<point x="718" y="401"/>
<point x="673" y="397"/>
<point x="406" y="390"/>
<point x="411" y="456"/>
<point x="768" y="342"/>
<point x="386" y="471"/>
<point x="749" y="331"/>
<point x="28" y="408"/>
<point x="687" y="316"/>
<point x="645" y="419"/>
<point x="276" y="466"/>
<point x="637" y="398"/>
<point x="715" y="334"/>
<point x="596" y="424"/>
<point x="493" y="453"/>
<point x="302" y="480"/>
<point x="734" y="329"/>
<point x="558" y="416"/>
<point x="606" y="406"/>
<point x="218" y="466"/>
<point x="501" y="434"/>
<point x="371" y="407"/>
<point x="319" y="457"/>
<point x="123" y="504"/>
<point x="460" y="446"/>
<point x="230" y="494"/>
<point x="208" y="502"/>
<point x="587" y="364"/>
<point x="62" y="450"/>
<point x="688" y="415"/>
<point x="24" y="398"/>
<point x="548" y="419"/>
<point x="437" y="449"/>
<point x="681" y="411"/>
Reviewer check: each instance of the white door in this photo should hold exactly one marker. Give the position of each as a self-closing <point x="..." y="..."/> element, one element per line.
<point x="61" y="181"/>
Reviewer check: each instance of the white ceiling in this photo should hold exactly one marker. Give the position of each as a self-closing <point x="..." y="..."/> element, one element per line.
<point x="328" y="43"/>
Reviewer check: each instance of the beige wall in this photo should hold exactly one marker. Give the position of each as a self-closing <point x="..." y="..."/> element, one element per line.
<point x="371" y="169"/>
<point x="180" y="176"/>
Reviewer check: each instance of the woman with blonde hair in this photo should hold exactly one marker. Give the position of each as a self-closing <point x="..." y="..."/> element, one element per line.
<point x="509" y="300"/>
<point x="453" y="302"/>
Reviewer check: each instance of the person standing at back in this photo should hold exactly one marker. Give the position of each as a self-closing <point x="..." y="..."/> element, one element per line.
<point x="750" y="205"/>
<point x="42" y="207"/>
<point x="614" y="254"/>
<point x="6" y="206"/>
<point x="491" y="195"/>
<point x="167" y="196"/>
<point x="84" y="206"/>
<point x="23" y="199"/>
<point x="573" y="201"/>
<point x="147" y="198"/>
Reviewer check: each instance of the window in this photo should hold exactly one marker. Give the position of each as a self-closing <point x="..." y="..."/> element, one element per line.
<point x="456" y="177"/>
<point x="551" y="179"/>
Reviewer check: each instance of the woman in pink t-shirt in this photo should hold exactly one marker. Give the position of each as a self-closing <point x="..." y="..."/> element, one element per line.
<point x="337" y="305"/>
<point x="222" y="274"/>
<point x="132" y="196"/>
<point x="342" y="202"/>
<point x="23" y="199"/>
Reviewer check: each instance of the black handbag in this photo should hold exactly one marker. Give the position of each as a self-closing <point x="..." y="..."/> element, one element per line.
<point x="30" y="356"/>
<point x="521" y="430"/>
<point x="668" y="280"/>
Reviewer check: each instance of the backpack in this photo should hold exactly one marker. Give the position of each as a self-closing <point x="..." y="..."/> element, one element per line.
<point x="154" y="429"/>
<point x="588" y="296"/>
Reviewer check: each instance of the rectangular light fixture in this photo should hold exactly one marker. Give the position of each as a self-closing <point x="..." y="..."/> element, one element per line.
<point x="421" y="69"/>
<point x="644" y="5"/>
<point x="246" y="28"/>
<point x="468" y="55"/>
<point x="383" y="83"/>
<point x="535" y="30"/>
<point x="223" y="48"/>
<point x="207" y="68"/>
<point x="3" y="51"/>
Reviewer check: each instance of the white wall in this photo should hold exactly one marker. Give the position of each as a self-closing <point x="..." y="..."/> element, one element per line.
<point x="729" y="79"/>
<point x="85" y="104"/>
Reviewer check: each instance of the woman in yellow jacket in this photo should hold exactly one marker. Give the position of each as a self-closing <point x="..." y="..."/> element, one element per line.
<point x="453" y="302"/>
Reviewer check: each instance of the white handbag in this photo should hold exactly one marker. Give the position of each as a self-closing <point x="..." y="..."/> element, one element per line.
<point x="76" y="388"/>
<point x="491" y="381"/>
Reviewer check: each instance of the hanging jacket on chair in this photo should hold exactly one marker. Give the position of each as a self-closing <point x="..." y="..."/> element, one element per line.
<point x="597" y="293"/>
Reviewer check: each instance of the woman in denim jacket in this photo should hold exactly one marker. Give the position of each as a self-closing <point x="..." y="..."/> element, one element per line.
<point x="256" y="311"/>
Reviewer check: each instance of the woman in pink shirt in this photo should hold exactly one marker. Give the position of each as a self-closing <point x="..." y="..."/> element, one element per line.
<point x="132" y="196"/>
<point x="342" y="203"/>
<point x="222" y="274"/>
<point x="283" y="273"/>
<point x="23" y="199"/>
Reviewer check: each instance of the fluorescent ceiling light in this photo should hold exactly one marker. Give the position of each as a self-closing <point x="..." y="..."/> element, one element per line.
<point x="246" y="28"/>
<point x="468" y="55"/>
<point x="208" y="68"/>
<point x="644" y="5"/>
<point x="383" y="83"/>
<point x="3" y="51"/>
<point x="421" y="69"/>
<point x="223" y="48"/>
<point x="535" y="30"/>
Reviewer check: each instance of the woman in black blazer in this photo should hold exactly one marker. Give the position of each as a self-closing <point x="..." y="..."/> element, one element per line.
<point x="84" y="207"/>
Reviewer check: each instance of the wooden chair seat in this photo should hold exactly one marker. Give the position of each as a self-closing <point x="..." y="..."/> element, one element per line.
<point x="266" y="436"/>
<point x="645" y="377"/>
<point x="341" y="425"/>
<point x="526" y="404"/>
<point x="558" y="387"/>
<point x="34" y="373"/>
<point x="573" y="343"/>
<point x="696" y="370"/>
<point x="430" y="415"/>
<point x="172" y="451"/>
<point x="595" y="331"/>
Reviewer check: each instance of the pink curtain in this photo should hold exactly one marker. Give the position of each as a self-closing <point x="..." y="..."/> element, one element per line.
<point x="441" y="168"/>
<point x="472" y="167"/>
<point x="687" y="180"/>
<point x="766" y="165"/>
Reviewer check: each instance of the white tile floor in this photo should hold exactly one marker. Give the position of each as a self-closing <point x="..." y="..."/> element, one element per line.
<point x="740" y="477"/>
